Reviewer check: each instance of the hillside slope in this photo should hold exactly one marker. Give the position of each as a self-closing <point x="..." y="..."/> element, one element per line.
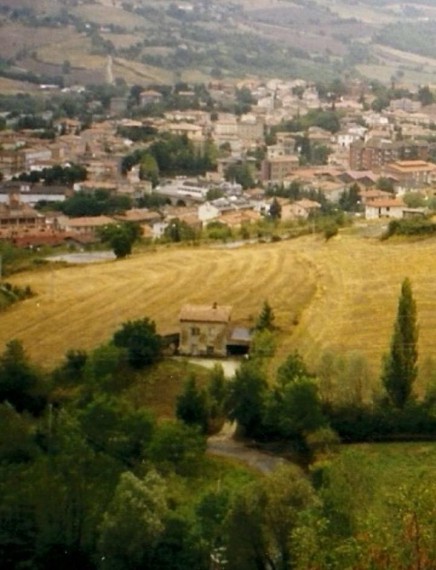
<point x="340" y="295"/>
<point x="317" y="40"/>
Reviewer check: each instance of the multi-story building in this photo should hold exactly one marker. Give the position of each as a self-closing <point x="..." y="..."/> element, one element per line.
<point x="375" y="153"/>
<point x="275" y="170"/>
<point x="411" y="174"/>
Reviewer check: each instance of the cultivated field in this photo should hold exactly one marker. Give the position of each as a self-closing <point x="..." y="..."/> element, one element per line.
<point x="340" y="295"/>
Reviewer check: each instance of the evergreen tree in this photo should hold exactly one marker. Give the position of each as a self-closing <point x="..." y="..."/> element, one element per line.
<point x="192" y="407"/>
<point x="266" y="317"/>
<point x="275" y="210"/>
<point x="400" y="368"/>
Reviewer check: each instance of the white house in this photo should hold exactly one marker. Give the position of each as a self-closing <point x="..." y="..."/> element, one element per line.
<point x="208" y="212"/>
<point x="384" y="208"/>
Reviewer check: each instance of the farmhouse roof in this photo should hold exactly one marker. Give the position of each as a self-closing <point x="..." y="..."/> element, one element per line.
<point x="206" y="313"/>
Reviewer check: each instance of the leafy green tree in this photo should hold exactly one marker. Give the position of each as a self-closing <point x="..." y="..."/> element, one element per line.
<point x="264" y="518"/>
<point x="385" y="184"/>
<point x="179" y="546"/>
<point x="121" y="238"/>
<point x="241" y="174"/>
<point x="177" y="447"/>
<point x="103" y="369"/>
<point x="400" y="365"/>
<point x="149" y="169"/>
<point x="142" y="343"/>
<point x="72" y="368"/>
<point x="133" y="522"/>
<point x="192" y="405"/>
<point x="247" y="393"/>
<point x="17" y="436"/>
<point x="179" y="230"/>
<point x="20" y="384"/>
<point x="293" y="408"/>
<point x="263" y="344"/>
<point x="115" y="428"/>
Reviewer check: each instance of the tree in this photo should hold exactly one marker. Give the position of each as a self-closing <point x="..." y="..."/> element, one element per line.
<point x="113" y="427"/>
<point x="20" y="384"/>
<point x="241" y="174"/>
<point x="400" y="365"/>
<point x="246" y="397"/>
<point x="385" y="184"/>
<point x="178" y="448"/>
<point x="133" y="522"/>
<point x="121" y="238"/>
<point x="266" y="318"/>
<point x="178" y="230"/>
<point x="275" y="210"/>
<point x="192" y="406"/>
<point x="149" y="169"/>
<point x="141" y="341"/>
<point x="425" y="96"/>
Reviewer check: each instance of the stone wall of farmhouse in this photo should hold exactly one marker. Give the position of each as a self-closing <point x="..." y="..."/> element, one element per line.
<point x="197" y="339"/>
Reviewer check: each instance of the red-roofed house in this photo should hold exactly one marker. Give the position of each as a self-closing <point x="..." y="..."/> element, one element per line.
<point x="384" y="208"/>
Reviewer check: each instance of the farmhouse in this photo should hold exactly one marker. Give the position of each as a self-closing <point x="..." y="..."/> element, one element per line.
<point x="384" y="207"/>
<point x="204" y="329"/>
<point x="207" y="330"/>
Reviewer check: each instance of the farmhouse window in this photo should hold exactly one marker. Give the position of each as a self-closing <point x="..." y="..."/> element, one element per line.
<point x="195" y="331"/>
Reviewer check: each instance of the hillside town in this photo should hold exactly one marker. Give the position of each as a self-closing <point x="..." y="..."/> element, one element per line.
<point x="282" y="149"/>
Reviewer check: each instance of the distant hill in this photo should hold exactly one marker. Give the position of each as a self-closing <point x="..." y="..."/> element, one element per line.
<point x="163" y="42"/>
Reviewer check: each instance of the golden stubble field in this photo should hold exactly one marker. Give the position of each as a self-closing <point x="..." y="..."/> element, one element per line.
<point x="340" y="295"/>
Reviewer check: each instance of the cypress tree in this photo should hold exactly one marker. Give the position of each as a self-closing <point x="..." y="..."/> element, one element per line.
<point x="400" y="365"/>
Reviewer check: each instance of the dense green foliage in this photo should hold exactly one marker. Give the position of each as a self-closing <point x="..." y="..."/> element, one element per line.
<point x="410" y="227"/>
<point x="10" y="294"/>
<point x="121" y="237"/>
<point x="170" y="155"/>
<point x="94" y="204"/>
<point x="141" y="342"/>
<point x="67" y="175"/>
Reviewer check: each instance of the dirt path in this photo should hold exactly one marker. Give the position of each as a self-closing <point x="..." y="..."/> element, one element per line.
<point x="224" y="445"/>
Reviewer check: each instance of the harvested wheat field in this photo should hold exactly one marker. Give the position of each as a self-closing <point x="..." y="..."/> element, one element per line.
<point x="340" y="295"/>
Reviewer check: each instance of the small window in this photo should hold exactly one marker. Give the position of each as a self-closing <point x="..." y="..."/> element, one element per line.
<point x="195" y="331"/>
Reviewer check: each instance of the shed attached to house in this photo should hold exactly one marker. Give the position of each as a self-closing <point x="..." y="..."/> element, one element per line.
<point x="204" y="330"/>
